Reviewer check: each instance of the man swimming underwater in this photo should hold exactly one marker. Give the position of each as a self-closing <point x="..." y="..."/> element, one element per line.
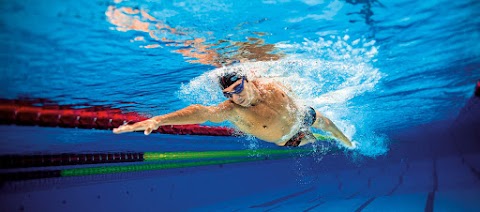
<point x="258" y="107"/>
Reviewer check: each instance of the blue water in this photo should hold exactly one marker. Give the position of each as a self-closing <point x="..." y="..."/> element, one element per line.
<point x="377" y="69"/>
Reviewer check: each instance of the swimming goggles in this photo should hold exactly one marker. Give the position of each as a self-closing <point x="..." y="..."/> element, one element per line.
<point x="237" y="90"/>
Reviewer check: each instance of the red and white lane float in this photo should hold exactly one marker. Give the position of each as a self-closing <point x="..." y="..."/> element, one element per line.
<point x="34" y="113"/>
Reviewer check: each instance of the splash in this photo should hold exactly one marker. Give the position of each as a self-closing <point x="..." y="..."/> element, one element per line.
<point x="325" y="74"/>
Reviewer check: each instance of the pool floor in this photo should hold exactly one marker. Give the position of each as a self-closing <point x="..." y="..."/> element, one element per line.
<point x="433" y="167"/>
<point x="447" y="183"/>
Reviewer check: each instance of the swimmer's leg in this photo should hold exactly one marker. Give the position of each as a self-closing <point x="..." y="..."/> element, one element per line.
<point x="325" y="124"/>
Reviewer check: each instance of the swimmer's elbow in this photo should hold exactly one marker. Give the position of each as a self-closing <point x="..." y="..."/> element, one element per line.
<point x="197" y="110"/>
<point x="198" y="113"/>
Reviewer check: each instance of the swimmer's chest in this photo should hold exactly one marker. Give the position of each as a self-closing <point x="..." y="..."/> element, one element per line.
<point x="264" y="122"/>
<point x="266" y="116"/>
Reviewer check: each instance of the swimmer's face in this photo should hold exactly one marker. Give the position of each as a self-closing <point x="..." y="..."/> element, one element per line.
<point x="239" y="93"/>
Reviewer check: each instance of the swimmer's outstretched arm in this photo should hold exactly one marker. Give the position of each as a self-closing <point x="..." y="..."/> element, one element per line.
<point x="326" y="124"/>
<point x="193" y="114"/>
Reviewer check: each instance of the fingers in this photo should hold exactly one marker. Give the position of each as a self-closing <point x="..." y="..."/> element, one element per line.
<point x="123" y="129"/>
<point x="148" y="131"/>
<point x="151" y="125"/>
<point x="148" y="126"/>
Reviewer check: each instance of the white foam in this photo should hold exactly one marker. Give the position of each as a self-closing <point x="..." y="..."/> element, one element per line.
<point x="325" y="74"/>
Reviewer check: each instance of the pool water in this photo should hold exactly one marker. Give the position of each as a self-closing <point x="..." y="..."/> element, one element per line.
<point x="397" y="77"/>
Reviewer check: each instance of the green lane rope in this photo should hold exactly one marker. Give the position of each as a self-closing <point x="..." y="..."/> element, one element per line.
<point x="147" y="167"/>
<point x="162" y="156"/>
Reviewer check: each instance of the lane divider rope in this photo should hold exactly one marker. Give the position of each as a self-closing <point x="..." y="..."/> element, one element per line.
<point x="68" y="159"/>
<point x="24" y="112"/>
<point x="240" y="157"/>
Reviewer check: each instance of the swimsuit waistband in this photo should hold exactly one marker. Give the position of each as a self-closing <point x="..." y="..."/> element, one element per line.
<point x="308" y="120"/>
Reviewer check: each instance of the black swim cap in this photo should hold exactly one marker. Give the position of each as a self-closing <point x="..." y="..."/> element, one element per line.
<point x="228" y="79"/>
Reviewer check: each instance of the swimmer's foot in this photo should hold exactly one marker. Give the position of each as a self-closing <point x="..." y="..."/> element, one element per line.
<point x="353" y="146"/>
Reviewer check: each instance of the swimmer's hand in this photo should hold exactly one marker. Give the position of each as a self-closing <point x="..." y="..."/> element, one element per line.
<point x="148" y="126"/>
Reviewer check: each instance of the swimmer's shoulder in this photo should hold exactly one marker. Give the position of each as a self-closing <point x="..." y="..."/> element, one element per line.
<point x="266" y="83"/>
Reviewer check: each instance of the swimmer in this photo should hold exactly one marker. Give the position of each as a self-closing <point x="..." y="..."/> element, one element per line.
<point x="258" y="107"/>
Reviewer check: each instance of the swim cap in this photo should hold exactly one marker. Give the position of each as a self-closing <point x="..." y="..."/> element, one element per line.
<point x="228" y="79"/>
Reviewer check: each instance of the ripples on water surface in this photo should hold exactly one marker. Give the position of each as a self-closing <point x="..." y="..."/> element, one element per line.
<point x="372" y="66"/>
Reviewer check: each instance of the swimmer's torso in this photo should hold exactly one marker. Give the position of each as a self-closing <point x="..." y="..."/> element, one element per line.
<point x="271" y="119"/>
